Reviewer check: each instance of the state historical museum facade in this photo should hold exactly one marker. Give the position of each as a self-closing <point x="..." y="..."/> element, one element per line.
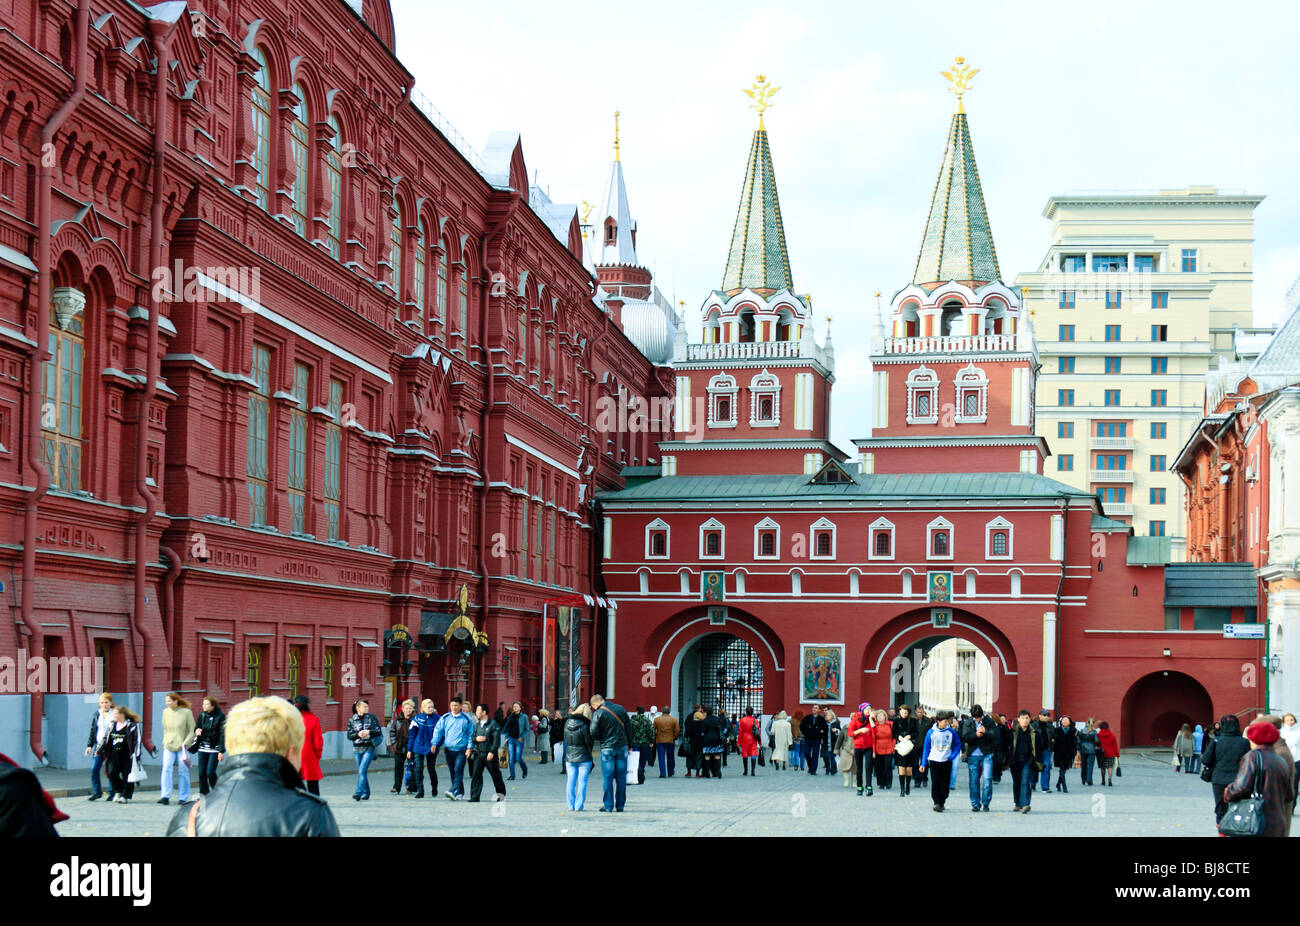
<point x="296" y="396"/>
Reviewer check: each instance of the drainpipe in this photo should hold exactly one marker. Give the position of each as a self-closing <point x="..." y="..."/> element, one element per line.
<point x="489" y="382"/>
<point x="593" y="506"/>
<point x="40" y="353"/>
<point x="1060" y="586"/>
<point x="168" y="610"/>
<point x="160" y="32"/>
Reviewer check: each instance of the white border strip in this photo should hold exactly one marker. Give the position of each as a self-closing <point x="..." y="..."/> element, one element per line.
<point x="533" y="451"/>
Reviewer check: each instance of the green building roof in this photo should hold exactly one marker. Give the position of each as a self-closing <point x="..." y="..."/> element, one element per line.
<point x="758" y="258"/>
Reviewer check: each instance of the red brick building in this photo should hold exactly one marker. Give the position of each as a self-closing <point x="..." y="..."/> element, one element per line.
<point x="347" y="367"/>
<point x="755" y="568"/>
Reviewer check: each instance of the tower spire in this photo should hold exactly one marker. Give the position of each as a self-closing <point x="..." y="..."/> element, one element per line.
<point x="616" y="156"/>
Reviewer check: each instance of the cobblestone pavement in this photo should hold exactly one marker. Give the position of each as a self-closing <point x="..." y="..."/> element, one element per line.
<point x="1149" y="800"/>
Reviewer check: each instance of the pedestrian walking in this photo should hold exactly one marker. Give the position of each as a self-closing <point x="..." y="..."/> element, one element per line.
<point x="1222" y="760"/>
<point x="832" y="735"/>
<point x="906" y="743"/>
<point x="979" y="744"/>
<point x="643" y="741"/>
<point x="260" y="792"/>
<point x="609" y="734"/>
<point x="1291" y="736"/>
<point x="938" y="752"/>
<point x="782" y="737"/>
<point x="399" y="730"/>
<point x="1109" y="754"/>
<point x="882" y="741"/>
<point x="516" y="729"/>
<point x="419" y="748"/>
<point x="122" y="753"/>
<point x="543" y="736"/>
<point x="1025" y="757"/>
<point x="1265" y="772"/>
<point x="1184" y="748"/>
<point x="313" y="747"/>
<point x="924" y="724"/>
<point x="1089" y="749"/>
<point x="366" y="733"/>
<point x="751" y="732"/>
<point x="452" y="733"/>
<point x="815" y="732"/>
<point x="695" y="742"/>
<point x="577" y="756"/>
<point x="482" y="755"/>
<point x="178" y="732"/>
<point x="556" y="735"/>
<point x="864" y="746"/>
<point x="210" y="735"/>
<point x="844" y="754"/>
<point x="1280" y="747"/>
<point x="666" y="732"/>
<point x="797" y="757"/>
<point x="712" y="744"/>
<point x="1064" y="749"/>
<point x="1198" y="747"/>
<point x="100" y="723"/>
<point x="1046" y="739"/>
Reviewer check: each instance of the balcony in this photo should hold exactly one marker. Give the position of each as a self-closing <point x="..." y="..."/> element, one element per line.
<point x="1110" y="475"/>
<point x="1117" y="509"/>
<point x="757" y="350"/>
<point x="1111" y="443"/>
<point x="954" y="343"/>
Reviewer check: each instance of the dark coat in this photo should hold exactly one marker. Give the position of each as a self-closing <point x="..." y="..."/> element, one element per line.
<point x="1224" y="756"/>
<point x="970" y="740"/>
<point x="257" y="794"/>
<point x="610" y="727"/>
<point x="1276" y="788"/>
<point x="357" y="723"/>
<point x="210" y="730"/>
<point x="713" y="729"/>
<point x="577" y="740"/>
<point x="556" y="732"/>
<point x="1035" y="747"/>
<point x="1065" y="747"/>
<point x="814" y="727"/>
<point x="24" y="808"/>
<point x="491" y="734"/>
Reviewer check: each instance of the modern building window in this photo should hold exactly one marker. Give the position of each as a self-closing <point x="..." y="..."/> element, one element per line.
<point x="1065" y="397"/>
<point x="1189" y="260"/>
<point x="261" y="112"/>
<point x="1109" y="263"/>
<point x="1157" y="496"/>
<point x="1112" y="428"/>
<point x="1159" y="429"/>
<point x="1112" y="461"/>
<point x="1159" y="397"/>
<point x="334" y="461"/>
<point x="1065" y="429"/>
<point x="1156" y="528"/>
<point x="1065" y="463"/>
<point x="1065" y="333"/>
<point x="61" y="409"/>
<point x="1114" y="494"/>
<point x="1159" y="300"/>
<point x="1160" y="332"/>
<point x="1065" y="364"/>
<point x="1113" y="364"/>
<point x="1157" y="463"/>
<point x="1112" y="333"/>
<point x="1113" y="298"/>
<point x="1074" y="263"/>
<point x="1111" y="397"/>
<point x="297" y="474"/>
<point x="259" y="416"/>
<point x="1144" y="262"/>
<point x="1159" y="364"/>
<point x="1067" y="299"/>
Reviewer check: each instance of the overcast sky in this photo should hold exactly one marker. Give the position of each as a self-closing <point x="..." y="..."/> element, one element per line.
<point x="1107" y="96"/>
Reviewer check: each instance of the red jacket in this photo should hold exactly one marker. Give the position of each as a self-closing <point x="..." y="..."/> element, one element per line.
<point x="312" y="747"/>
<point x="883" y="736"/>
<point x="860" y="730"/>
<point x="1109" y="745"/>
<point x="750" y="734"/>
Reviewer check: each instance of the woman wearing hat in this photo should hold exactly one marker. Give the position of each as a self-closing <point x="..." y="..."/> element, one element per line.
<point x="863" y="745"/>
<point x="313" y="744"/>
<point x="1262" y="771"/>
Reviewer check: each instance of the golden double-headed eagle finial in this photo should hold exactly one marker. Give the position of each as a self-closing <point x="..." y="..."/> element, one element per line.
<point x="761" y="94"/>
<point x="960" y="78"/>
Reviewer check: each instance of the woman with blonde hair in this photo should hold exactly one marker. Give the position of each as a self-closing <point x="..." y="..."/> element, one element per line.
<point x="882" y="738"/>
<point x="178" y="734"/>
<point x="577" y="755"/>
<point x="781" y="739"/>
<point x="100" y="723"/>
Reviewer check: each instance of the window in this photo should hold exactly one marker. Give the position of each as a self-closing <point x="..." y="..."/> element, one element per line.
<point x="1065" y="333"/>
<point x="1157" y="463"/>
<point x="880" y="534"/>
<point x="971" y="405"/>
<point x="327" y="671"/>
<point x="418" y="271"/>
<point x="1112" y="461"/>
<point x="881" y="547"/>
<point x="395" y="252"/>
<point x="724" y="409"/>
<point x="1159" y="397"/>
<point x="922" y="396"/>
<point x="1075" y="263"/>
<point x="523" y="528"/>
<point x="1159" y="429"/>
<point x="462" y="295"/>
<point x="1113" y="364"/>
<point x="334" y="171"/>
<point x="823" y="543"/>
<point x="297" y="476"/>
<point x="298" y="147"/>
<point x="441" y="294"/>
<point x="1113" y="298"/>
<point x="1065" y="397"/>
<point x="1112" y="428"/>
<point x="1159" y="300"/>
<point x="261" y="111"/>
<point x="334" y="461"/>
<point x="1064" y="364"/>
<point x="939" y="543"/>
<point x="1112" y="332"/>
<point x="999" y="543"/>
<point x="256" y="659"/>
<point x="1173" y="618"/>
<point x="765" y="408"/>
<point x="658" y="543"/>
<point x="1109" y="263"/>
<point x="1065" y="429"/>
<point x="1115" y="494"/>
<point x="1160" y="332"/>
<point x="712" y="543"/>
<point x="1065" y="463"/>
<point x="1159" y="364"/>
<point x="1156" y="528"/>
<point x="291" y="671"/>
<point x="1144" y="262"/>
<point x="997" y="538"/>
<point x="1157" y="496"/>
<point x="61" y="408"/>
<point x="1067" y="299"/>
<point x="1189" y="260"/>
<point x="259" y="414"/>
<point x="1112" y="397"/>
<point x="767" y="543"/>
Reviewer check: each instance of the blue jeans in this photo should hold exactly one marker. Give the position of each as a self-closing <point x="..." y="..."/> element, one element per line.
<point x="1022" y="778"/>
<point x="1187" y="764"/>
<point x="1045" y="776"/>
<point x="613" y="766"/>
<point x="981" y="780"/>
<point x="96" y="787"/>
<point x="577" y="791"/>
<point x="796" y="754"/>
<point x="668" y="750"/>
<point x="364" y="757"/>
<point x="456" y="770"/>
<point x="1196" y="763"/>
<point x="174" y="759"/>
<point x="515" y="749"/>
<point x="1087" y="761"/>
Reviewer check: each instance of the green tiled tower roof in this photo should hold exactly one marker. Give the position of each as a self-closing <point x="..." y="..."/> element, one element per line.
<point x="958" y="243"/>
<point x="758" y="258"/>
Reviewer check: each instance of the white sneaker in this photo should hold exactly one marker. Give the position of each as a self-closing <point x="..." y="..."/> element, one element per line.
<point x="499" y="797"/>
<point x="120" y="799"/>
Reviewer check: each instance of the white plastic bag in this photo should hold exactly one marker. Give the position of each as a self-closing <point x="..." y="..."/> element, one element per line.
<point x="633" y="764"/>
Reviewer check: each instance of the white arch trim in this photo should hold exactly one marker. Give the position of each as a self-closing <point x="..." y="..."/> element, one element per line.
<point x="888" y="646"/>
<point x="705" y="620"/>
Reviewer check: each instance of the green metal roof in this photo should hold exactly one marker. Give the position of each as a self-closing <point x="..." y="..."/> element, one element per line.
<point x="758" y="258"/>
<point x="1149" y="551"/>
<point x="1211" y="585"/>
<point x="958" y="243"/>
<point x="1102" y="523"/>
<point x="872" y="486"/>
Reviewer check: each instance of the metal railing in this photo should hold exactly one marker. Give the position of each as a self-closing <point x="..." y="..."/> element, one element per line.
<point x="449" y="131"/>
<point x="950" y="344"/>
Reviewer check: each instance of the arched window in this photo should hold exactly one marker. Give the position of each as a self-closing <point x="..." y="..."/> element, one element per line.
<point x="334" y="170"/>
<point x="463" y="296"/>
<point x="442" y="285"/>
<point x="395" y="251"/>
<point x="659" y="543"/>
<point x="923" y="405"/>
<point x="999" y="544"/>
<point x="62" y="395"/>
<point x="261" y="101"/>
<point x="767" y="543"/>
<point x="523" y="337"/>
<point x="298" y="147"/>
<point x="823" y="543"/>
<point x="882" y="543"/>
<point x="971" y="405"/>
<point x="712" y="544"/>
<point x="417" y="270"/>
<point x="724" y="409"/>
<point x="939" y="543"/>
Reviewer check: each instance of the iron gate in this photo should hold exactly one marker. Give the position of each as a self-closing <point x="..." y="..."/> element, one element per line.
<point x="730" y="674"/>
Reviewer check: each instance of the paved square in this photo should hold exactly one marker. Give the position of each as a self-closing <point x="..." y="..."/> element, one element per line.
<point x="1149" y="800"/>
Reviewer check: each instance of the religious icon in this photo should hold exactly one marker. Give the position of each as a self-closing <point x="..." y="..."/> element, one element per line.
<point x="714" y="587"/>
<point x="823" y="673"/>
<point x="940" y="587"/>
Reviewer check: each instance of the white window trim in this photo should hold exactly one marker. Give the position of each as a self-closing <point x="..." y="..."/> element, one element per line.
<point x="713" y="524"/>
<point x="643" y="578"/>
<point x="1017" y="577"/>
<point x="739" y="576"/>
<point x="997" y="524"/>
<point x="972" y="377"/>
<point x="969" y="588"/>
<point x="796" y="583"/>
<point x="935" y="525"/>
<point x="764" y="383"/>
<point x="767" y="524"/>
<point x="855" y="580"/>
<point x="880" y="524"/>
<point x="812" y="462"/>
<point x="922" y="379"/>
<point x="668" y="466"/>
<point x="722" y="386"/>
<point x="821" y="524"/>
<point x="908" y="576"/>
<point x="658" y="524"/>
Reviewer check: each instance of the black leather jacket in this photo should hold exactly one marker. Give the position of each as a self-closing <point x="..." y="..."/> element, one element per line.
<point x="987" y="744"/>
<point x="814" y="727"/>
<point x="210" y="730"/>
<point x="609" y="727"/>
<point x="491" y="734"/>
<point x="357" y="723"/>
<point x="577" y="740"/>
<point x="257" y="794"/>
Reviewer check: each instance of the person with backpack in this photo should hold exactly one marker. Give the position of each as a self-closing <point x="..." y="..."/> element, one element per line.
<point x="643" y="741"/>
<point x="515" y="729"/>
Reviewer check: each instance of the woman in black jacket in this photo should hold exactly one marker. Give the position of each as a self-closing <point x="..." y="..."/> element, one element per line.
<point x="210" y="737"/>
<point x="1063" y="750"/>
<point x="712" y="733"/>
<point x="905" y="725"/>
<point x="558" y="721"/>
<point x="1222" y="759"/>
<point x="923" y="725"/>
<point x="121" y="748"/>
<point x="694" y="731"/>
<point x="577" y="755"/>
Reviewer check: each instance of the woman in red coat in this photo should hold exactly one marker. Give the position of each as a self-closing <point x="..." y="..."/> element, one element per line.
<point x="882" y="740"/>
<point x="312" y="747"/>
<point x="750" y="731"/>
<point x="1109" y="753"/>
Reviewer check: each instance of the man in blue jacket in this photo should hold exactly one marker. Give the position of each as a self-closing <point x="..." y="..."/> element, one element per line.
<point x="454" y="732"/>
<point x="419" y="743"/>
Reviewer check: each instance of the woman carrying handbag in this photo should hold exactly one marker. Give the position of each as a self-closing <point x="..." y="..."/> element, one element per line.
<point x="122" y="753"/>
<point x="1259" y="797"/>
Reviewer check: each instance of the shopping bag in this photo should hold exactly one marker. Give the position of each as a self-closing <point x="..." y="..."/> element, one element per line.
<point x="633" y="762"/>
<point x="137" y="772"/>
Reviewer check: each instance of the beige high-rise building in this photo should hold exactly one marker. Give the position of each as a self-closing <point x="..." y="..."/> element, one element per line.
<point x="1138" y="296"/>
